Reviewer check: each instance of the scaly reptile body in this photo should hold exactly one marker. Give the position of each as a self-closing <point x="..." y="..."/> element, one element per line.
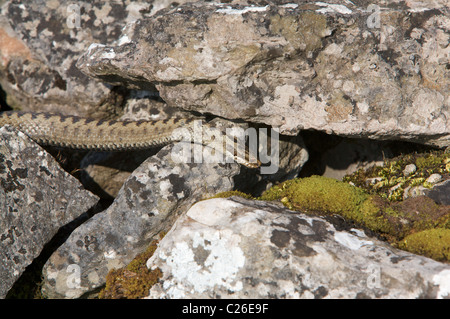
<point x="82" y="133"/>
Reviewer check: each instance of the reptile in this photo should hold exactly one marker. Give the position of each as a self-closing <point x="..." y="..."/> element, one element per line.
<point x="112" y="135"/>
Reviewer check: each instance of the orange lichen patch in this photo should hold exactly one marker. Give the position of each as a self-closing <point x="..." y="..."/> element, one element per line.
<point x="11" y="46"/>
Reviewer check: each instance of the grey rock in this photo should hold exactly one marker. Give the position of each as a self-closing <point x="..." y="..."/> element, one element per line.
<point x="151" y="199"/>
<point x="37" y="197"/>
<point x="350" y="155"/>
<point x="309" y="65"/>
<point x="104" y="173"/>
<point x="414" y="191"/>
<point x="237" y="248"/>
<point x="143" y="105"/>
<point x="434" y="178"/>
<point x="440" y="193"/>
<point x="40" y="44"/>
<point x="409" y="169"/>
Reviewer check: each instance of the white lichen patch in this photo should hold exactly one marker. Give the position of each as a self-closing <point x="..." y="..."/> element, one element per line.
<point x="204" y="263"/>
<point x="289" y="5"/>
<point x="350" y="241"/>
<point x="332" y="8"/>
<point x="123" y="40"/>
<point x="110" y="254"/>
<point x="212" y="212"/>
<point x="92" y="47"/>
<point x="142" y="178"/>
<point x="166" y="188"/>
<point x="110" y="54"/>
<point x="230" y="10"/>
<point x="442" y="279"/>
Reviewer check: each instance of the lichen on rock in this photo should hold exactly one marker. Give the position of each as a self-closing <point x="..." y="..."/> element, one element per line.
<point x="393" y="221"/>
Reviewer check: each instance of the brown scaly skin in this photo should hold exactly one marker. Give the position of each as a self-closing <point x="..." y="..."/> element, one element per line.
<point x="106" y="135"/>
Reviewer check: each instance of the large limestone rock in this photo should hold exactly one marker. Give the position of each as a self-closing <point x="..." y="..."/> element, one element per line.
<point x="36" y="198"/>
<point x="150" y="201"/>
<point x="344" y="67"/>
<point x="41" y="41"/>
<point x="237" y="248"/>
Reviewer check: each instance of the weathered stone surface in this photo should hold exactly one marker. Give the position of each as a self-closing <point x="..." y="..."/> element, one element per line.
<point x="378" y="71"/>
<point x="149" y="202"/>
<point x="104" y="173"/>
<point x="36" y="198"/>
<point x="440" y="193"/>
<point x="40" y="42"/>
<point x="344" y="156"/>
<point x="237" y="248"/>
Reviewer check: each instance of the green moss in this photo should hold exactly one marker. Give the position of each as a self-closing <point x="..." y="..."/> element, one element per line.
<point x="429" y="161"/>
<point x="433" y="243"/>
<point x="377" y="217"/>
<point x="391" y="183"/>
<point x="134" y="280"/>
<point x="324" y="196"/>
<point x="395" y="221"/>
<point x="318" y="194"/>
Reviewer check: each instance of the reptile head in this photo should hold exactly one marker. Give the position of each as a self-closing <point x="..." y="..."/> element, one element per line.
<point x="231" y="144"/>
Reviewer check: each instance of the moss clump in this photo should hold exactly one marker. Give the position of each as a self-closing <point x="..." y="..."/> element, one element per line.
<point x="421" y="212"/>
<point x="432" y="243"/>
<point x="389" y="180"/>
<point x="133" y="281"/>
<point x="394" y="221"/>
<point x="325" y="196"/>
<point x="318" y="194"/>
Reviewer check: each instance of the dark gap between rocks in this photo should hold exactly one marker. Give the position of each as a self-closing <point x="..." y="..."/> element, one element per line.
<point x="3" y="105"/>
<point x="333" y="156"/>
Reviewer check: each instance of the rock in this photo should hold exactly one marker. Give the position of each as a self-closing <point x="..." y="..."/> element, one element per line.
<point x="413" y="191"/>
<point x="434" y="178"/>
<point x="409" y="169"/>
<point x="152" y="198"/>
<point x="40" y="43"/>
<point x="440" y="193"/>
<point x="143" y="105"/>
<point x="37" y="198"/>
<point x="345" y="68"/>
<point x="239" y="248"/>
<point x="104" y="173"/>
<point x="407" y="175"/>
